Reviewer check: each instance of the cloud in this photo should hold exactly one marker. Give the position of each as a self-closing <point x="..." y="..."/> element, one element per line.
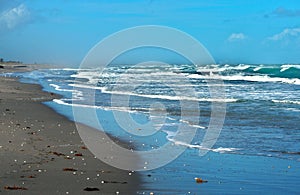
<point x="286" y="34"/>
<point x="283" y="12"/>
<point x="236" y="36"/>
<point x="13" y="17"/>
<point x="6" y="4"/>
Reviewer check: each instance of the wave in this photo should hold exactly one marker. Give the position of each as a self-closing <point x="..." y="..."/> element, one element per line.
<point x="287" y="73"/>
<point x="286" y="101"/>
<point x="195" y="146"/>
<point x="154" y="96"/>
<point x="239" y="77"/>
<point x="168" y="97"/>
<point x="292" y="109"/>
<point x="108" y="108"/>
<point x="224" y="150"/>
<point x="85" y="86"/>
<point x="239" y="67"/>
<point x="200" y="147"/>
<point x="170" y="137"/>
<point x="77" y="95"/>
<point x="281" y="71"/>
<point x="288" y="66"/>
<point x="192" y="125"/>
<point x="73" y="69"/>
<point x="58" y="88"/>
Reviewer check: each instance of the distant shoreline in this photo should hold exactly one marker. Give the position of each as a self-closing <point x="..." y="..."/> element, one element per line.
<point x="20" y="67"/>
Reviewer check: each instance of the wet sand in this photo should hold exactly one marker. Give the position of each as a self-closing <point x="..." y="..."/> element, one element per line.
<point x="41" y="151"/>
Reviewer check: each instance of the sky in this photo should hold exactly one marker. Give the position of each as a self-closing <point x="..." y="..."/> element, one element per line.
<point x="62" y="32"/>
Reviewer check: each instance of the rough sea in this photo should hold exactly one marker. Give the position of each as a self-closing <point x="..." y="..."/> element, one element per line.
<point x="256" y="150"/>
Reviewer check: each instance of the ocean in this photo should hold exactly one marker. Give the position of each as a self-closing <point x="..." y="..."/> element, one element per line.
<point x="256" y="149"/>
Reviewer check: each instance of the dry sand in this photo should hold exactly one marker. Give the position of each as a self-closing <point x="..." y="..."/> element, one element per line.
<point x="41" y="151"/>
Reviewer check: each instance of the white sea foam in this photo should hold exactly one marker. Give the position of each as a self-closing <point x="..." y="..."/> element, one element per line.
<point x="224" y="150"/>
<point x="171" y="118"/>
<point x="86" y="86"/>
<point x="170" y="136"/>
<point x="288" y="66"/>
<point x="76" y="94"/>
<point x="75" y="69"/>
<point x="239" y="67"/>
<point x="256" y="78"/>
<point x="211" y="71"/>
<point x="191" y="124"/>
<point x="117" y="108"/>
<point x="169" y="124"/>
<point x="196" y="146"/>
<point x="58" y="88"/>
<point x="286" y="101"/>
<point x="257" y="68"/>
<point x="122" y="109"/>
<point x="293" y="109"/>
<point x="167" y="97"/>
<point x="264" y="67"/>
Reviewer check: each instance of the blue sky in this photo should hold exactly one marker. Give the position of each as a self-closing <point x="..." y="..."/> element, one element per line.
<point x="234" y="31"/>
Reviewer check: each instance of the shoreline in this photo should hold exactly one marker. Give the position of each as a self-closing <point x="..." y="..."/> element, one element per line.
<point x="242" y="172"/>
<point x="41" y="150"/>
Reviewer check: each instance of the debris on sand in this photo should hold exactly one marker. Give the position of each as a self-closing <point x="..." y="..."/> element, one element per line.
<point x="91" y="189"/>
<point x="14" y="188"/>
<point x="57" y="153"/>
<point x="199" y="180"/>
<point x="69" y="169"/>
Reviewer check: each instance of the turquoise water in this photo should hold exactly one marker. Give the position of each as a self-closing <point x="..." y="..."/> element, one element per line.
<point x="257" y="150"/>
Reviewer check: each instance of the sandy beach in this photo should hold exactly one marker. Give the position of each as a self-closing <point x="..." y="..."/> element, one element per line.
<point x="41" y="151"/>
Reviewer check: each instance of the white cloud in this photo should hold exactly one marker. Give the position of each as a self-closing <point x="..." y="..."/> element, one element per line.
<point x="285" y="34"/>
<point x="236" y="36"/>
<point x="13" y="17"/>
